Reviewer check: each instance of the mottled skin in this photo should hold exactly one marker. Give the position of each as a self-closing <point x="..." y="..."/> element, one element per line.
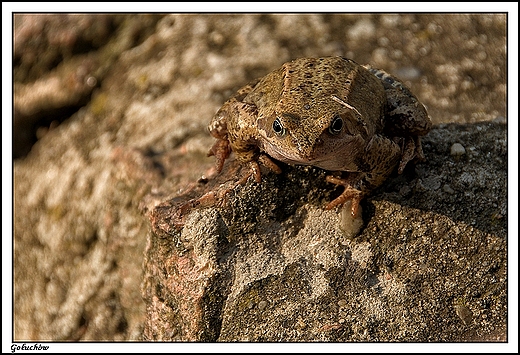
<point x="331" y="113"/>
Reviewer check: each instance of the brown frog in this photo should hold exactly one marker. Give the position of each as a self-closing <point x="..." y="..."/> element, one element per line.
<point x="329" y="112"/>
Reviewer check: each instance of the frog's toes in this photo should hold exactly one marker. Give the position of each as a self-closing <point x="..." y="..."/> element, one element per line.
<point x="268" y="163"/>
<point x="407" y="154"/>
<point x="221" y="150"/>
<point x="350" y="193"/>
<point x="419" y="154"/>
<point x="412" y="150"/>
<point x="254" y="170"/>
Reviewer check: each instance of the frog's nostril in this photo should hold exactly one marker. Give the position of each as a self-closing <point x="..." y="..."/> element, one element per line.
<point x="319" y="142"/>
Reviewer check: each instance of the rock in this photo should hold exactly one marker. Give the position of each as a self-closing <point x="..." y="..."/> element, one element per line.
<point x="457" y="149"/>
<point x="46" y="92"/>
<point x="273" y="258"/>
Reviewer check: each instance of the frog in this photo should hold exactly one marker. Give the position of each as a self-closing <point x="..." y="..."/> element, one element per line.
<point x="357" y="122"/>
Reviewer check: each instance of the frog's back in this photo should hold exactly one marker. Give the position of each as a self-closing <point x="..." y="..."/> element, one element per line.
<point x="311" y="87"/>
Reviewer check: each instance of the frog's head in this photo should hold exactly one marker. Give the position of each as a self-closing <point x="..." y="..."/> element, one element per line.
<point x="319" y="112"/>
<point x="331" y="139"/>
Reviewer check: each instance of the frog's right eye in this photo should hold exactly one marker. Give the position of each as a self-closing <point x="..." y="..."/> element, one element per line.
<point x="336" y="125"/>
<point x="278" y="128"/>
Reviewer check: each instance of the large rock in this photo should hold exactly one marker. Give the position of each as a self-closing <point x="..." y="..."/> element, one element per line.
<point x="268" y="263"/>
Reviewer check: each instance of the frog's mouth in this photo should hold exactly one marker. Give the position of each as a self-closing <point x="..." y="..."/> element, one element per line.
<point x="287" y="154"/>
<point x="329" y="155"/>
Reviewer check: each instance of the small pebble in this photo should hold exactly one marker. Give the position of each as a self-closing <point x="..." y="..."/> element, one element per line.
<point x="447" y="188"/>
<point x="457" y="149"/>
<point x="262" y="305"/>
<point x="464" y="313"/>
<point x="500" y="119"/>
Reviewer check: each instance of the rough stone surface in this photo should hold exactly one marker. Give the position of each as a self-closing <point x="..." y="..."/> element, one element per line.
<point x="97" y="251"/>
<point x="273" y="265"/>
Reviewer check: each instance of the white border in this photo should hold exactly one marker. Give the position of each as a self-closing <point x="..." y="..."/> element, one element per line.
<point x="7" y="218"/>
<point x="251" y="7"/>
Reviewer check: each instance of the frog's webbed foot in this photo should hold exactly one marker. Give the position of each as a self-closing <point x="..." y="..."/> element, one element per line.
<point x="349" y="193"/>
<point x="254" y="168"/>
<point x="221" y="150"/>
<point x="411" y="150"/>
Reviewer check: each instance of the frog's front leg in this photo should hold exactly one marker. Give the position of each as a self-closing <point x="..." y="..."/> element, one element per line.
<point x="381" y="156"/>
<point x="223" y="122"/>
<point x="235" y="127"/>
<point x="221" y="150"/>
<point x="252" y="156"/>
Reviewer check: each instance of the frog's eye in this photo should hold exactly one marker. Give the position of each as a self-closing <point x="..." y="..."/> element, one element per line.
<point x="278" y="128"/>
<point x="336" y="125"/>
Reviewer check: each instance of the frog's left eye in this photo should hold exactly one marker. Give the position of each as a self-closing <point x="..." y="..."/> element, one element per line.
<point x="278" y="127"/>
<point x="336" y="125"/>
